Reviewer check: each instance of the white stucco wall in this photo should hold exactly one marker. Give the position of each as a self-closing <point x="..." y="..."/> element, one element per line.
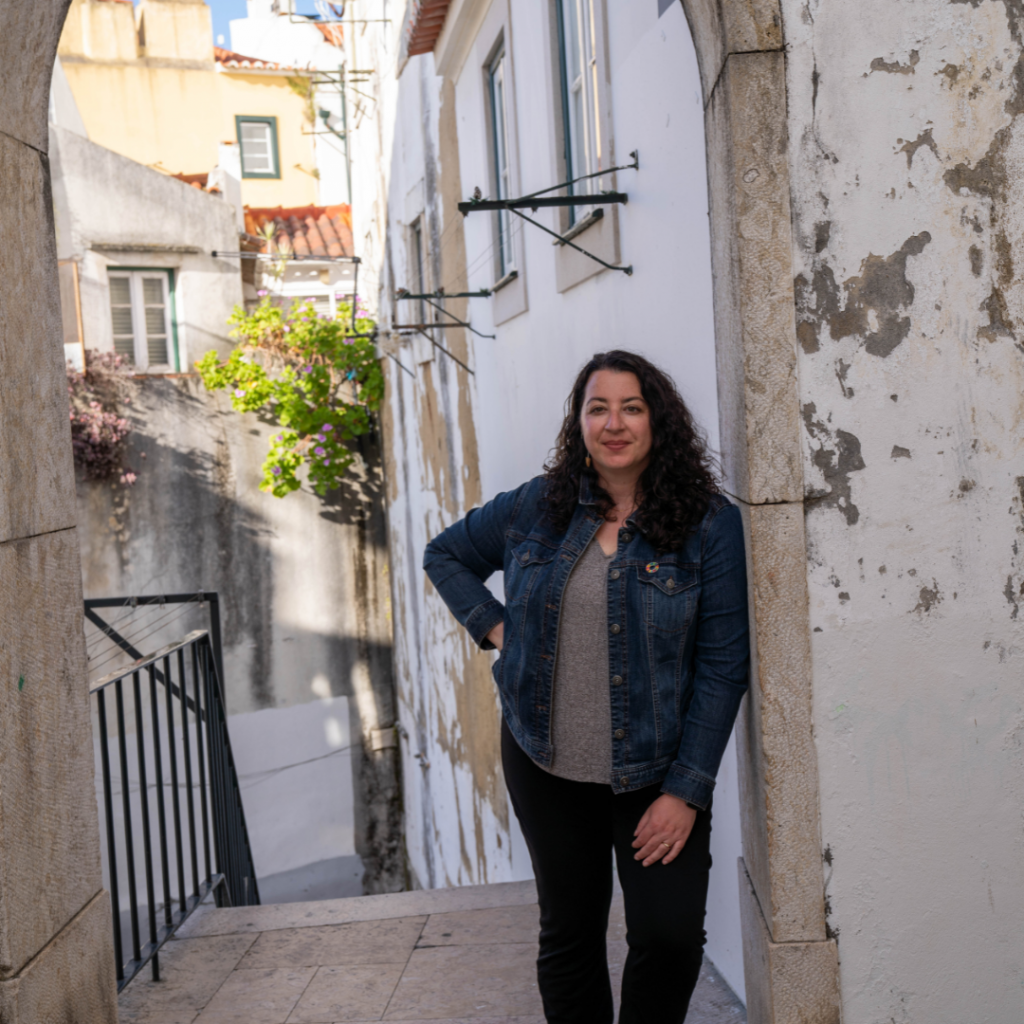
<point x="906" y="153"/>
<point x="459" y="826"/>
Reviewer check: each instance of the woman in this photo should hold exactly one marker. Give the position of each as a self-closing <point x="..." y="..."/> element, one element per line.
<point x="624" y="655"/>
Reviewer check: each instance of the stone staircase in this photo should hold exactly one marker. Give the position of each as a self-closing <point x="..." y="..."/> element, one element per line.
<point x="443" y="956"/>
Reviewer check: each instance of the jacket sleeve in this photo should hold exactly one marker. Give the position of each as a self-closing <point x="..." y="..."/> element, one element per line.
<point x="721" y="661"/>
<point x="461" y="558"/>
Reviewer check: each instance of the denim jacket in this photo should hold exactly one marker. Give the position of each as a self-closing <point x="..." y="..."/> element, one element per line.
<point x="678" y="643"/>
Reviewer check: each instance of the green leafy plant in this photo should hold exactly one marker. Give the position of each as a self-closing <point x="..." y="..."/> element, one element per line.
<point x="308" y="374"/>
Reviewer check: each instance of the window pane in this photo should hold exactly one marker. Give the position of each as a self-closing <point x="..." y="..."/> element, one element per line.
<point x="155" y="321"/>
<point x="120" y="291"/>
<point x="257" y="156"/>
<point x="499" y="145"/>
<point x="121" y="317"/>
<point x="125" y="347"/>
<point x="572" y="38"/>
<point x="153" y="291"/>
<point x="156" y="350"/>
<point x="122" y="320"/>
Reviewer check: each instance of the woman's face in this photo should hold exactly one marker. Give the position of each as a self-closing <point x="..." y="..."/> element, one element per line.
<point x="616" y="424"/>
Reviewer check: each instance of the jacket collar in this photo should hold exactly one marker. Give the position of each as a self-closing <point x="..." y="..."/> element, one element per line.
<point x="587" y="498"/>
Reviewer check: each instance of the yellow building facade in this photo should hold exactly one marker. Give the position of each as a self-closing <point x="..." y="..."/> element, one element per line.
<point x="149" y="84"/>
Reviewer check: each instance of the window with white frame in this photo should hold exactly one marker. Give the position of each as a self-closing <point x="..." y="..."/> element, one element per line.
<point x="497" y="80"/>
<point x="577" y="36"/>
<point x="140" y="313"/>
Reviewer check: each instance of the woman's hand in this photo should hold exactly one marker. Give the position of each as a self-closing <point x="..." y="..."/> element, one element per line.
<point x="663" y="830"/>
<point x="497" y="635"/>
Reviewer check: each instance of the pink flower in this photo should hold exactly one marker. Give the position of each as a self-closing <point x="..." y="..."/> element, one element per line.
<point x="262" y="292"/>
<point x="327" y="462"/>
<point x="276" y="471"/>
<point x="327" y="426"/>
<point x="319" y="451"/>
<point x="239" y="393"/>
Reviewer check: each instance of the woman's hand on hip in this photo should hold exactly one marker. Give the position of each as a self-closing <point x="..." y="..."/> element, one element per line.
<point x="497" y="635"/>
<point x="663" y="830"/>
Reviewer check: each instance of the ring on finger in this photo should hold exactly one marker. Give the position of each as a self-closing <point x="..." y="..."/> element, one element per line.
<point x="669" y="845"/>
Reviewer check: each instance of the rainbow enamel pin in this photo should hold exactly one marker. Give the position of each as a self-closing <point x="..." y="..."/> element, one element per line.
<point x="652" y="567"/>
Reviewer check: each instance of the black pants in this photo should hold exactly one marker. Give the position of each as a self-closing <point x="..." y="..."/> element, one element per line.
<point x="571" y="828"/>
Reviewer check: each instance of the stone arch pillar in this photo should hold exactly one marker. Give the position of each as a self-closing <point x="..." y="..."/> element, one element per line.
<point x="56" y="945"/>
<point x="790" y="962"/>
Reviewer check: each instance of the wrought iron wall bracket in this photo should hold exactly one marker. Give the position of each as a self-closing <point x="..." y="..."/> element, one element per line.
<point x="535" y="202"/>
<point x="628" y="271"/>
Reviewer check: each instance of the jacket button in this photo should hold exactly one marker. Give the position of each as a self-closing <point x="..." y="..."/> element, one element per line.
<point x="624" y="781"/>
<point x="615" y="574"/>
<point x="620" y="734"/>
<point x="626" y="538"/>
<point x="616" y="680"/>
<point x="616" y="628"/>
<point x="670" y="584"/>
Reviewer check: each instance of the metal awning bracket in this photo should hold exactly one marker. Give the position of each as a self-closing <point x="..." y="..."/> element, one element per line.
<point x="535" y="200"/>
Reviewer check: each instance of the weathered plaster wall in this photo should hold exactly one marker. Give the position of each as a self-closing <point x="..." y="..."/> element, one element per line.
<point x="302" y="581"/>
<point x="56" y="953"/>
<point x="906" y="151"/>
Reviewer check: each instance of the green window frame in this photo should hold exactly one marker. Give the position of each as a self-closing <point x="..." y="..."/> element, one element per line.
<point x="258" y="140"/>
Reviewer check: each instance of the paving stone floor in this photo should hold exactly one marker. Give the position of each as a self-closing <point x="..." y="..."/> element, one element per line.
<point x="445" y="956"/>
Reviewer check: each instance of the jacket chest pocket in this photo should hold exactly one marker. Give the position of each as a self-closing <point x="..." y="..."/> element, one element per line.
<point x="530" y="562"/>
<point x="668" y="594"/>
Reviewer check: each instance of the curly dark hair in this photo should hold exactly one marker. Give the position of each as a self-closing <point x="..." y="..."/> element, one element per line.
<point x="679" y="479"/>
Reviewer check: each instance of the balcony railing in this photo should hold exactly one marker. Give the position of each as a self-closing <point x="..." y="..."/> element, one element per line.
<point x="174" y="822"/>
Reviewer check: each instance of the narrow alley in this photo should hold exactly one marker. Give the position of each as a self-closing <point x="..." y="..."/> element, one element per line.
<point x="443" y="956"/>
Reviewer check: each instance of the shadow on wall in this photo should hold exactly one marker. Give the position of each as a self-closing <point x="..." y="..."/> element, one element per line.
<point x="302" y="584"/>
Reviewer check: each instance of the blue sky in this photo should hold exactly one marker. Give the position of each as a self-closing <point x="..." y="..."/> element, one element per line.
<point x="225" y="10"/>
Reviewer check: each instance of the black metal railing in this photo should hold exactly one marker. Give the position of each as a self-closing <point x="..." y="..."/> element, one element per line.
<point x="188" y="783"/>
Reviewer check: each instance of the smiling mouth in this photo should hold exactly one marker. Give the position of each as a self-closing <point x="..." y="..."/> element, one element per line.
<point x="616" y="445"/>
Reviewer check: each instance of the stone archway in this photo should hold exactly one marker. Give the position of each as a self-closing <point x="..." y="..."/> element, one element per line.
<point x="56" y="950"/>
<point x="790" y="962"/>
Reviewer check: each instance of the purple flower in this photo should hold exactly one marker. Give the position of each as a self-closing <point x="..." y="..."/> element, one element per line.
<point x="307" y="369"/>
<point x="279" y="438"/>
<point x="327" y="462"/>
<point x="326" y="427"/>
<point x="262" y="292"/>
<point x="285" y="329"/>
<point x="239" y="393"/>
<point x="276" y="471"/>
<point x="320" y="437"/>
<point x="319" y="451"/>
<point x="311" y="298"/>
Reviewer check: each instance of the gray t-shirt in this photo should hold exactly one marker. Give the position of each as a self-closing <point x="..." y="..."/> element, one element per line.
<point x="581" y="710"/>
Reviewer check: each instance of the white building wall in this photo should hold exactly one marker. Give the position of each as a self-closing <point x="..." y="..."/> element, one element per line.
<point x="453" y="439"/>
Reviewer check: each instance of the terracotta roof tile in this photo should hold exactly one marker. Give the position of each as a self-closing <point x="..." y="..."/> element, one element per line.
<point x="230" y="59"/>
<point x="304" y="230"/>
<point x="425" y="24"/>
<point x="198" y="181"/>
<point x="333" y="34"/>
